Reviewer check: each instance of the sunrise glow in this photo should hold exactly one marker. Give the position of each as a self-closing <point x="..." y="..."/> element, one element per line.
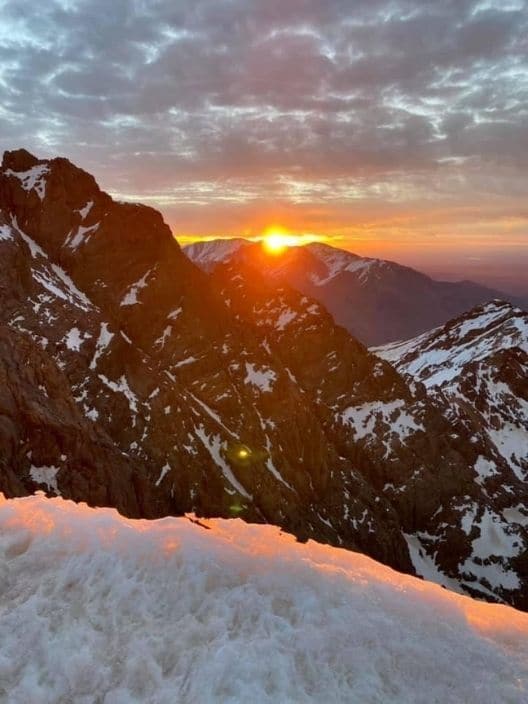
<point x="276" y="240"/>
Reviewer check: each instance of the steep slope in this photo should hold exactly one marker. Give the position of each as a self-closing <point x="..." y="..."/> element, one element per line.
<point x="171" y="611"/>
<point x="377" y="301"/>
<point x="480" y="363"/>
<point x="45" y="437"/>
<point x="476" y="371"/>
<point x="209" y="253"/>
<point x="157" y="362"/>
<point x="423" y="459"/>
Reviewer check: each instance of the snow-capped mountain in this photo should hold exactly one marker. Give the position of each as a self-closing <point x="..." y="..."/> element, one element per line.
<point x="479" y="362"/>
<point x="114" y="338"/>
<point x="377" y="301"/>
<point x="476" y="371"/>
<point x="208" y="254"/>
<point x="133" y="379"/>
<point x="222" y="611"/>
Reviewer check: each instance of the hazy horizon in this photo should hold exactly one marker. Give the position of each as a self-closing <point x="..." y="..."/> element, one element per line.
<point x="507" y="274"/>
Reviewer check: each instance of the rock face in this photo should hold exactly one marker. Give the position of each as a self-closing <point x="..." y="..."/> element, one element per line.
<point x="132" y="378"/>
<point x="377" y="301"/>
<point x="475" y="369"/>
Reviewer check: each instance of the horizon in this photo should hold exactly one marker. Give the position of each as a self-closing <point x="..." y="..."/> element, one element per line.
<point x="493" y="276"/>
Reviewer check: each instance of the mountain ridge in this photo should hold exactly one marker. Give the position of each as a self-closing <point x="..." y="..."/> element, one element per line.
<point x="376" y="300"/>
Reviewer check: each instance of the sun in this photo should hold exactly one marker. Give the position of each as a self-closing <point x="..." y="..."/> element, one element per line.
<point x="275" y="240"/>
<point x="275" y="244"/>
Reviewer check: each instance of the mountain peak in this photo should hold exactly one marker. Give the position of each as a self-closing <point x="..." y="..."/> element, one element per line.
<point x="19" y="160"/>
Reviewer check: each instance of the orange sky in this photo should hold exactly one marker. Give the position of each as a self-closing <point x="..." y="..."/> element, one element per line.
<point x="483" y="243"/>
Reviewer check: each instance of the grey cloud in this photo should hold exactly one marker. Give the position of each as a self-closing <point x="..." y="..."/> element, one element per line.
<point x="153" y="93"/>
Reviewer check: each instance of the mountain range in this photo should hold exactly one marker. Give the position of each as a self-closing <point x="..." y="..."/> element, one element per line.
<point x="377" y="301"/>
<point x="132" y="378"/>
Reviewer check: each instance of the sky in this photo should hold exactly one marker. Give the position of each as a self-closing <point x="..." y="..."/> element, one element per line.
<point x="395" y="128"/>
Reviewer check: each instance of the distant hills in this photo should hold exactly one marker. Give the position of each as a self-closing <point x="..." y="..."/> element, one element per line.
<point x="377" y="301"/>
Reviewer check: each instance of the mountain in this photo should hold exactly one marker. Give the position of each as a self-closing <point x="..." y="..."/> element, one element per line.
<point x="420" y="456"/>
<point x="377" y="301"/>
<point x="476" y="369"/>
<point x="146" y="359"/>
<point x="134" y="379"/>
<point x="100" y="608"/>
<point x="209" y="253"/>
<point x="479" y="362"/>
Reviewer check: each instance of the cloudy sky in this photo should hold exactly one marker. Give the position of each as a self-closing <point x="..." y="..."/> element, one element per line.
<point x="397" y="127"/>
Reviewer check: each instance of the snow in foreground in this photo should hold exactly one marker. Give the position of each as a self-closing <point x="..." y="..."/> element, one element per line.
<point x="97" y="608"/>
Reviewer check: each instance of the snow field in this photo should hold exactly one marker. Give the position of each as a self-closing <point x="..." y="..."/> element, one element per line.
<point x="98" y="608"/>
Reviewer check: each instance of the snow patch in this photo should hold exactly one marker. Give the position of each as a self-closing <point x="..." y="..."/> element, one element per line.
<point x="82" y="236"/>
<point x="74" y="339"/>
<point x="213" y="444"/>
<point x="86" y="209"/>
<point x="6" y="233"/>
<point x="164" y="470"/>
<point x="130" y="298"/>
<point x="263" y="378"/>
<point x="33" y="179"/>
<point x="45" y="476"/>
<point x="104" y="339"/>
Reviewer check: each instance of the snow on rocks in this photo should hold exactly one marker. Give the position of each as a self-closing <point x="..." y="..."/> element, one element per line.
<point x="32" y="179"/>
<point x="82" y="236"/>
<point x="74" y="339"/>
<point x="122" y="387"/>
<point x="437" y="358"/>
<point x="337" y="261"/>
<point x="365" y="420"/>
<point x="99" y="606"/>
<point x="478" y="361"/>
<point x="164" y="471"/>
<point x="104" y="339"/>
<point x="86" y="209"/>
<point x="495" y="542"/>
<point x="214" y="445"/>
<point x="6" y="233"/>
<point x="206" y="254"/>
<point x="45" y="476"/>
<point x="131" y="296"/>
<point x="35" y="250"/>
<point x="262" y="378"/>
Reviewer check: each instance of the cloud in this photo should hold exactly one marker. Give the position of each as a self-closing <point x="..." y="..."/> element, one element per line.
<point x="208" y="103"/>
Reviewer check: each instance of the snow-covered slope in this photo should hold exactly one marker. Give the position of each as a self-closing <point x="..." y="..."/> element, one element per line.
<point x="456" y="497"/>
<point x="209" y="253"/>
<point x="479" y="362"/>
<point x="338" y="261"/>
<point x="96" y="607"/>
<point x="476" y="370"/>
<point x="437" y="357"/>
<point x="98" y="299"/>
